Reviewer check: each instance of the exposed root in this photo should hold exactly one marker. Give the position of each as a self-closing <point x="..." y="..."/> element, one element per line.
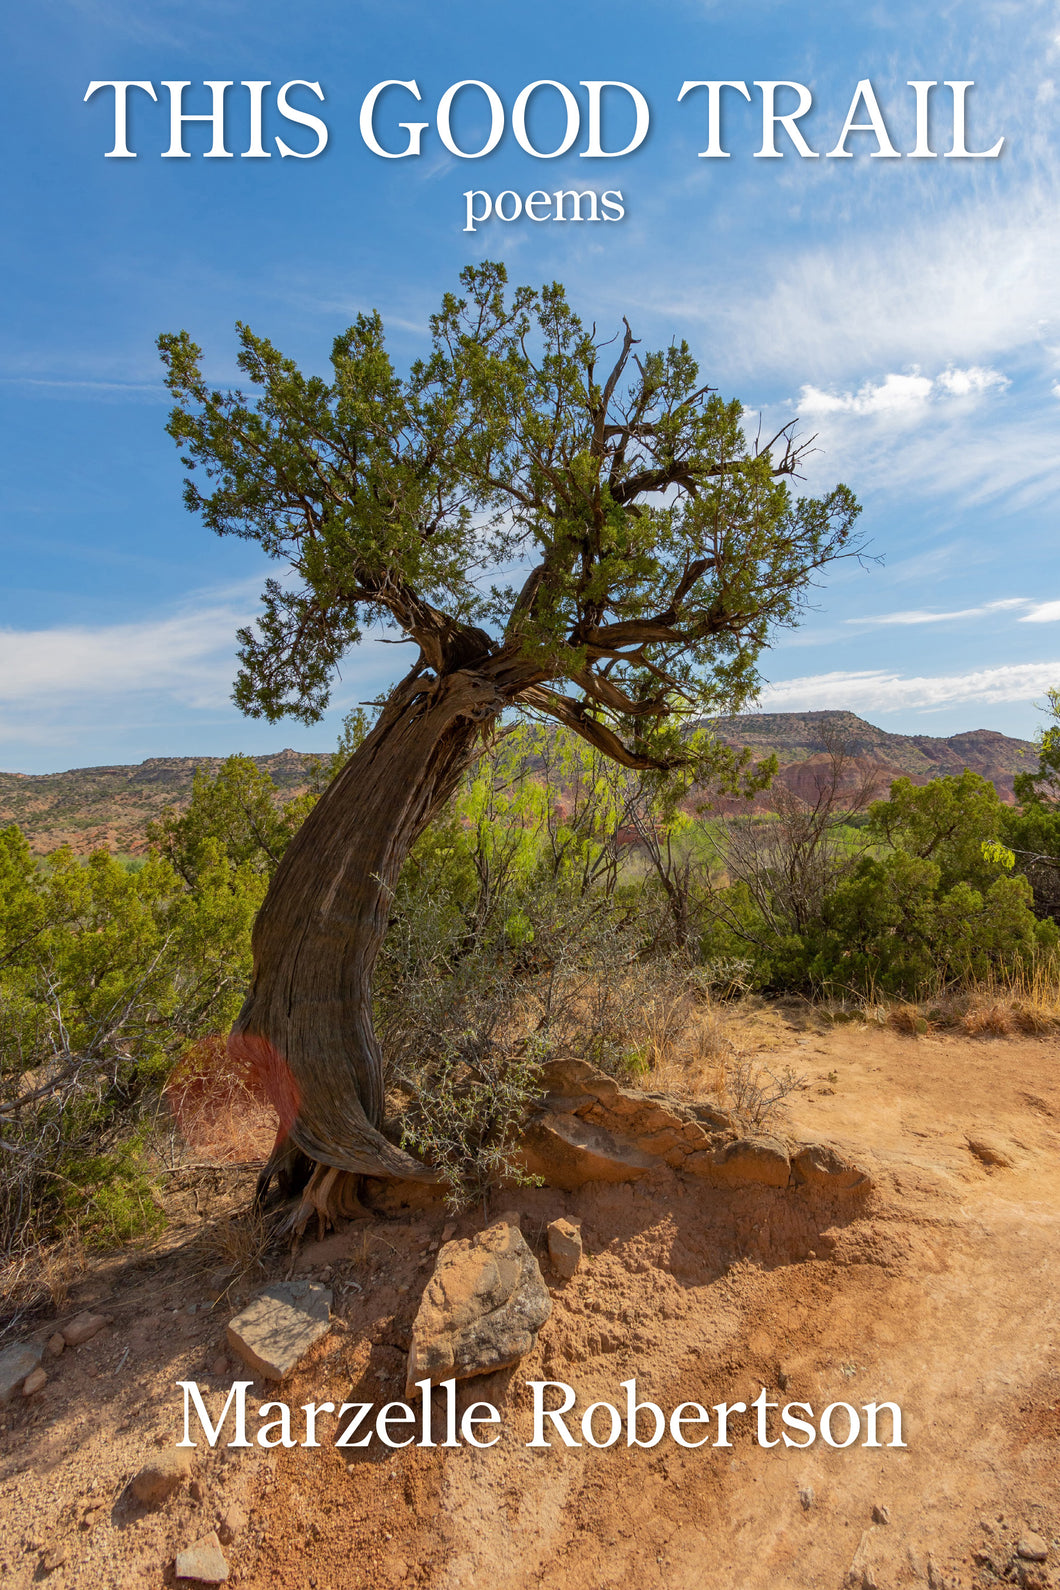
<point x="332" y="1195"/>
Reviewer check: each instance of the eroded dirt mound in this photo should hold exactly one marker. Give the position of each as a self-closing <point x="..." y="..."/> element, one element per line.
<point x="936" y="1291"/>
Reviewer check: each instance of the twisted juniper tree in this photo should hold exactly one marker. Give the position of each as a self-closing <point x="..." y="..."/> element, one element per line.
<point x="558" y="524"/>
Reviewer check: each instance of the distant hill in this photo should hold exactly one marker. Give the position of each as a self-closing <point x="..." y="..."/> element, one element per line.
<point x="800" y="739"/>
<point x="92" y="806"/>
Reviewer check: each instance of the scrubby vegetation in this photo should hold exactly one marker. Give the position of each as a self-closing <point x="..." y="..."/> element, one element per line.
<point x="562" y="905"/>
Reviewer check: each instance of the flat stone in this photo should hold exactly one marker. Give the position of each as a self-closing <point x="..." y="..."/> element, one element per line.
<point x="34" y="1381"/>
<point x="481" y="1310"/>
<point x="83" y="1328"/>
<point x="205" y="1561"/>
<point x="280" y="1325"/>
<point x="16" y="1363"/>
<point x="161" y="1476"/>
<point x="1032" y="1548"/>
<point x="564" y="1247"/>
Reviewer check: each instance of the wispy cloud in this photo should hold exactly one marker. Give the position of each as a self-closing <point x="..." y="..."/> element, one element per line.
<point x="879" y="690"/>
<point x="926" y="616"/>
<point x="188" y="654"/>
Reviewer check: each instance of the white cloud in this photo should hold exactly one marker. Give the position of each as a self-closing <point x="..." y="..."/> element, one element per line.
<point x="971" y="382"/>
<point x="878" y="690"/>
<point x="901" y="396"/>
<point x="924" y="616"/>
<point x="1047" y="613"/>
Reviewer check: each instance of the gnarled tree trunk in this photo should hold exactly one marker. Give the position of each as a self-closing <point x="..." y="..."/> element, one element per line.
<point x="305" y="1031"/>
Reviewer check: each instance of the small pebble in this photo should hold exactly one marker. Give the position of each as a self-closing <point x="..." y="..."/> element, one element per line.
<point x="880" y="1515"/>
<point x="1032" y="1548"/>
<point x="806" y="1497"/>
<point x="33" y="1382"/>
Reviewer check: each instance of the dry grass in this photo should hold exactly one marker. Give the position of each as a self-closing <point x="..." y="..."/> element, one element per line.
<point x="218" y="1117"/>
<point x="1025" y="1003"/>
<point x="41" y="1275"/>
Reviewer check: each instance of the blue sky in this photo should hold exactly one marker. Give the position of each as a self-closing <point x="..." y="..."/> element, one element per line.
<point x="908" y="311"/>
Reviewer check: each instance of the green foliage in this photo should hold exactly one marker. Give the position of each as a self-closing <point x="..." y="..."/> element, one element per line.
<point x="238" y="811"/>
<point x="106" y="975"/>
<point x="468" y="1125"/>
<point x="1042" y="788"/>
<point x="657" y="548"/>
<point x="894" y="928"/>
<point x="947" y="821"/>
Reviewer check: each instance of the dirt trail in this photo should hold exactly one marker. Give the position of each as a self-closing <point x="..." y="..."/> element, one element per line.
<point x="938" y="1293"/>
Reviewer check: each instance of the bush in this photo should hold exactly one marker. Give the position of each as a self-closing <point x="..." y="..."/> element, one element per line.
<point x="106" y="975"/>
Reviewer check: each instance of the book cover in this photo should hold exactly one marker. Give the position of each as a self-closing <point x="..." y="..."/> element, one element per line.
<point x="628" y="432"/>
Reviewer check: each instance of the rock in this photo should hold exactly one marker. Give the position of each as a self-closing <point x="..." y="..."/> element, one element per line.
<point x="564" y="1247"/>
<point x="989" y="1151"/>
<point x="195" y="1491"/>
<point x="219" y="1366"/>
<point x="232" y="1524"/>
<point x="162" y="1475"/>
<point x="1033" y="1575"/>
<point x="83" y="1328"/>
<point x="34" y="1382"/>
<point x="56" y="1344"/>
<point x="828" y="1168"/>
<point x="880" y="1515"/>
<point x="588" y="1128"/>
<point x="204" y="1561"/>
<point x="761" y="1160"/>
<point x="1032" y="1548"/>
<point x="16" y="1363"/>
<point x="53" y="1558"/>
<point x="807" y="1498"/>
<point x="569" y="1152"/>
<point x="481" y="1310"/>
<point x="278" y="1328"/>
<point x="992" y="1560"/>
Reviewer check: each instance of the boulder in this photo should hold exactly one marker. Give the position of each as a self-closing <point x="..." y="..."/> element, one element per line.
<point x="481" y="1310"/>
<point x="83" y="1328"/>
<point x="280" y="1325"/>
<point x="761" y="1161"/>
<point x="568" y="1152"/>
<point x="16" y="1362"/>
<point x="205" y="1561"/>
<point x="587" y="1127"/>
<point x="829" y="1168"/>
<point x="161" y="1476"/>
<point x="564" y="1247"/>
